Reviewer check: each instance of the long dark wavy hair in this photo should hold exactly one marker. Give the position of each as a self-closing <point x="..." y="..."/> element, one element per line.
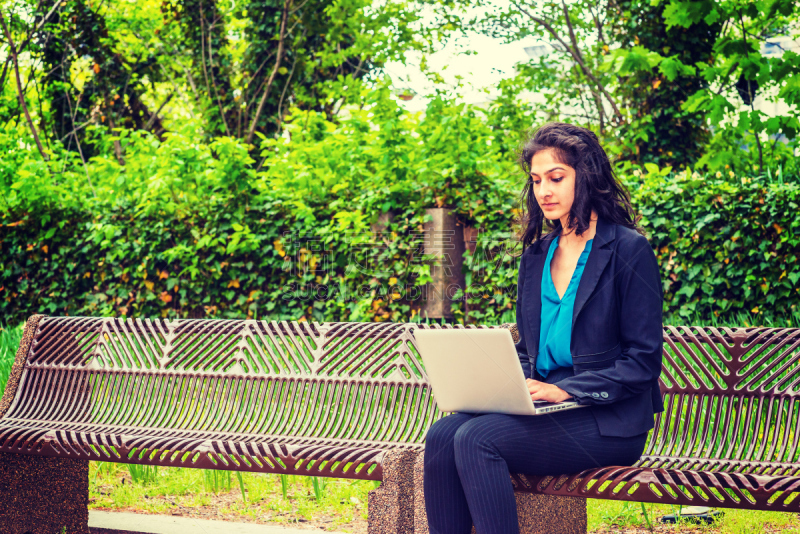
<point x="596" y="185"/>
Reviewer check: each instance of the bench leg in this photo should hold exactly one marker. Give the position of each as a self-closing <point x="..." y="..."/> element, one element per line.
<point x="549" y="514"/>
<point x="537" y="514"/>
<point x="391" y="505"/>
<point x="41" y="495"/>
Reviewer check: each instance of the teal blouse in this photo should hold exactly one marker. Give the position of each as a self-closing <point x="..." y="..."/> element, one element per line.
<point x="556" y="321"/>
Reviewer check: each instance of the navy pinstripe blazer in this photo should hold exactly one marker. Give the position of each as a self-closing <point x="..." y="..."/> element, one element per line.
<point x="616" y="338"/>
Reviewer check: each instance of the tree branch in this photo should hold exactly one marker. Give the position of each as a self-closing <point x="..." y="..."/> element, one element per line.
<point x="38" y="27"/>
<point x="253" y="78"/>
<point x="205" y="69"/>
<point x="283" y="94"/>
<point x="752" y="98"/>
<point x="117" y="144"/>
<point x="77" y="141"/>
<point x="579" y="57"/>
<point x="5" y="71"/>
<point x="178" y="90"/>
<point x="574" y="53"/>
<point x="582" y="61"/>
<point x="20" y="93"/>
<point x="599" y="25"/>
<point x="727" y="78"/>
<point x="154" y="116"/>
<point x="281" y="42"/>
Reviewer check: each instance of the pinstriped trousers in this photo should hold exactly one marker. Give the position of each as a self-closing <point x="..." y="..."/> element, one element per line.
<point x="468" y="459"/>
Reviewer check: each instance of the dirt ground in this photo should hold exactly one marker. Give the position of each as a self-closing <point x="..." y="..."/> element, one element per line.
<point x="671" y="529"/>
<point x="215" y="511"/>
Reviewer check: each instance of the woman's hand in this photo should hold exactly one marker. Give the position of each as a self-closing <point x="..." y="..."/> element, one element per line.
<point x="546" y="392"/>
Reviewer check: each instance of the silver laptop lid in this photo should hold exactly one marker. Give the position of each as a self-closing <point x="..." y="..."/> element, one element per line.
<point x="474" y="370"/>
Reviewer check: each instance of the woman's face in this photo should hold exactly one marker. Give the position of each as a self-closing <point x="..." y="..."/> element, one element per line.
<point x="553" y="185"/>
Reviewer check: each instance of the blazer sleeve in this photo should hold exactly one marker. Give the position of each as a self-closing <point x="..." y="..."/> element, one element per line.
<point x="522" y="348"/>
<point x="641" y="334"/>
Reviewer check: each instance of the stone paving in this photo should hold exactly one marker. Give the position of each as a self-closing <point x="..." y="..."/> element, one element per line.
<point x="128" y="523"/>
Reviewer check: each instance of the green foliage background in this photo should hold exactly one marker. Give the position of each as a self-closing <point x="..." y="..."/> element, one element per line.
<point x="186" y="229"/>
<point x="193" y="159"/>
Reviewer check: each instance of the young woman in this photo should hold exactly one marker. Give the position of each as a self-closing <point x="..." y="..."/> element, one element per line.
<point x="589" y="301"/>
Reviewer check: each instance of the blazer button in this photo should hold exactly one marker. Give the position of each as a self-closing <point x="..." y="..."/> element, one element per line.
<point x="595" y="395"/>
<point x="604" y="395"/>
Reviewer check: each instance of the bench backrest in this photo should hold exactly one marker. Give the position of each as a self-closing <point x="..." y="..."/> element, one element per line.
<point x="732" y="401"/>
<point x="205" y="385"/>
<point x="731" y="395"/>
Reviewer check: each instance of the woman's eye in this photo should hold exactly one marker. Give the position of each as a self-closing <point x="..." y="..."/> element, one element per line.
<point x="557" y="179"/>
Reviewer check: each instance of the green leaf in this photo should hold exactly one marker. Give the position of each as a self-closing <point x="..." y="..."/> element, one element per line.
<point x="684" y="14"/>
<point x="628" y="61"/>
<point x="672" y="67"/>
<point x="686" y="289"/>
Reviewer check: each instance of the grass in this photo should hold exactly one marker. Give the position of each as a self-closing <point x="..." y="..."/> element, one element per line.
<point x="10" y="338"/>
<point x="611" y="516"/>
<point x="189" y="490"/>
<point x="339" y="502"/>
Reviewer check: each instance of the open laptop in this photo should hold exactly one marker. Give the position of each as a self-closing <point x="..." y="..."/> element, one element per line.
<point x="478" y="371"/>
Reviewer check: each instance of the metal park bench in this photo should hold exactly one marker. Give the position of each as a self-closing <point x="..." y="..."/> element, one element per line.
<point x="351" y="400"/>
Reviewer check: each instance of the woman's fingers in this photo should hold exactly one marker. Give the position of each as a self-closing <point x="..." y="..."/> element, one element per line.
<point x="538" y="390"/>
<point x="546" y="392"/>
<point x="540" y="395"/>
<point x="533" y="385"/>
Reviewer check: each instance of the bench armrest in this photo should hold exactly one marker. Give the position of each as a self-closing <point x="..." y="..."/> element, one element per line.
<point x="31" y="326"/>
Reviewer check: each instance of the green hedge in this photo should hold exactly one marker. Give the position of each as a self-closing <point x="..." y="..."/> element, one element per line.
<point x="723" y="246"/>
<point x="260" y="263"/>
<point x="724" y="243"/>
<point x="187" y="229"/>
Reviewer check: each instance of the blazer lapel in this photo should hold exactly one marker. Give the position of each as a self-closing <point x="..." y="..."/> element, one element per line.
<point x="533" y="295"/>
<point x="605" y="233"/>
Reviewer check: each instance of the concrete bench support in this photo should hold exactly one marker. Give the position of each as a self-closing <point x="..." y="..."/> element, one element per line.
<point x="398" y="505"/>
<point x="391" y="506"/>
<point x="538" y="514"/>
<point x="41" y="495"/>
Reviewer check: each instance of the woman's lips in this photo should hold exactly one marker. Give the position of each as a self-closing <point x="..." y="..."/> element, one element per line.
<point x="549" y="205"/>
